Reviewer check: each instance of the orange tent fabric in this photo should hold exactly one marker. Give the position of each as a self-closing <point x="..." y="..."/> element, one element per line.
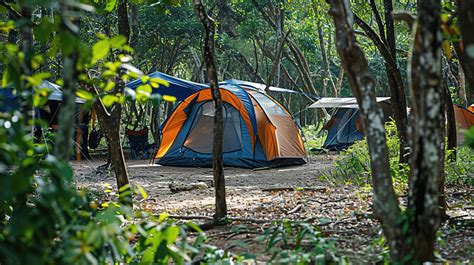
<point x="471" y="108"/>
<point x="464" y="117"/>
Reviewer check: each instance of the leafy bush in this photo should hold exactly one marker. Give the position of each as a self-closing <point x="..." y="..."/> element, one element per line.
<point x="461" y="171"/>
<point x="314" y="138"/>
<point x="43" y="220"/>
<point x="353" y="165"/>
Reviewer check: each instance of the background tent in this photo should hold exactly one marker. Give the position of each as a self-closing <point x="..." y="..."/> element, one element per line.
<point x="345" y="126"/>
<point x="258" y="131"/>
<point x="49" y="112"/>
<point x="178" y="88"/>
<point x="471" y="108"/>
<point x="464" y="120"/>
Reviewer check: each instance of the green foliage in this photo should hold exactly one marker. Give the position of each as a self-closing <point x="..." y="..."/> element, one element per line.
<point x="43" y="220"/>
<point x="461" y="171"/>
<point x="297" y="243"/>
<point x="284" y="242"/>
<point x="353" y="165"/>
<point x="314" y="138"/>
<point x="469" y="140"/>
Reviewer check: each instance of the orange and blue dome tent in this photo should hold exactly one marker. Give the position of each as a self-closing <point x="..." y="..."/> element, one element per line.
<point x="258" y="130"/>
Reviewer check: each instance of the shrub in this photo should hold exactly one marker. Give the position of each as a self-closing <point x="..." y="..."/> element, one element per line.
<point x="353" y="164"/>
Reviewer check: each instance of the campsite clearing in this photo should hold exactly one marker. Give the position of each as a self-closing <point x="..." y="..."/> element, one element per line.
<point x="257" y="197"/>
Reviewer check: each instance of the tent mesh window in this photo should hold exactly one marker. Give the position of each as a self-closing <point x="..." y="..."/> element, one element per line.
<point x="201" y="134"/>
<point x="270" y="107"/>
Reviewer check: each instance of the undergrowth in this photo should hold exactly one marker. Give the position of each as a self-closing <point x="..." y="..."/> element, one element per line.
<point x="314" y="138"/>
<point x="353" y="165"/>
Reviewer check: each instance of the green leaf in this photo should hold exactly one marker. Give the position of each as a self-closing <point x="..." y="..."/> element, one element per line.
<point x="118" y="41"/>
<point x="84" y="94"/>
<point x="142" y="192"/>
<point x="100" y="50"/>
<point x="43" y="30"/>
<point x="159" y="81"/>
<point x="169" y="98"/>
<point x="37" y="79"/>
<point x="143" y="92"/>
<point x="67" y="42"/>
<point x="109" y="100"/>
<point x="111" y="5"/>
<point x="162" y="217"/>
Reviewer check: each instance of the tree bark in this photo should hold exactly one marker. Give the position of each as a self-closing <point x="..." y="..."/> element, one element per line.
<point x="450" y="119"/>
<point x="217" y="153"/>
<point x="327" y="71"/>
<point x="428" y="131"/>
<point x="397" y="89"/>
<point x="385" y="202"/>
<point x="110" y="121"/>
<point x="462" y="86"/>
<point x="276" y="63"/>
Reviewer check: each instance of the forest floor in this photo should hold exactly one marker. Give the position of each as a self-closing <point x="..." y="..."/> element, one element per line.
<point x="256" y="197"/>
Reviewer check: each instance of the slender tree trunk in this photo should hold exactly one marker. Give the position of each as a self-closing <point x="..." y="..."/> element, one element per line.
<point x="327" y="71"/>
<point x="217" y="154"/>
<point x="110" y="122"/>
<point x="385" y="201"/>
<point x="462" y="86"/>
<point x="385" y="43"/>
<point x="340" y="80"/>
<point x="466" y="20"/>
<point x="397" y="89"/>
<point x="428" y="131"/>
<point x="450" y="121"/>
<point x="276" y="63"/>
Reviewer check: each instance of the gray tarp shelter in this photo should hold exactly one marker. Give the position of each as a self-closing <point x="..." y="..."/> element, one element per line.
<point x="345" y="126"/>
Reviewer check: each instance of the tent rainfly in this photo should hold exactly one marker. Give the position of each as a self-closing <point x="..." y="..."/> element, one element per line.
<point x="345" y="126"/>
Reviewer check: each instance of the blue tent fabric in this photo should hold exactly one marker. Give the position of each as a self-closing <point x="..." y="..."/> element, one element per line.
<point x="8" y="101"/>
<point x="246" y="155"/>
<point x="178" y="88"/>
<point x="343" y="133"/>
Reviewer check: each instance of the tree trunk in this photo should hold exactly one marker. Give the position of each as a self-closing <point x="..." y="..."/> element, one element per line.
<point x="428" y="131"/>
<point x="327" y="71"/>
<point x="397" y="90"/>
<point x="385" y="202"/>
<point x="462" y="86"/>
<point x="67" y="120"/>
<point x="217" y="154"/>
<point x="466" y="20"/>
<point x="450" y="121"/>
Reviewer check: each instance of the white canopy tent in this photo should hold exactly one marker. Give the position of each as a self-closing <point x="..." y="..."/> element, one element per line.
<point x="348" y="103"/>
<point x="56" y="93"/>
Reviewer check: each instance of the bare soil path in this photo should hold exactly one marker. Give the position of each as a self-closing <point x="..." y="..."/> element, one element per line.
<point x="342" y="211"/>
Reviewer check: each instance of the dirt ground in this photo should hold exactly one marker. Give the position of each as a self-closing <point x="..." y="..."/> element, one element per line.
<point x="296" y="193"/>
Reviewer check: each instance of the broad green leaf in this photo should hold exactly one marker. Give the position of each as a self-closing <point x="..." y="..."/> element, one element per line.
<point x="37" y="79"/>
<point x="169" y="98"/>
<point x="67" y="42"/>
<point x="84" y="94"/>
<point x="118" y="41"/>
<point x="142" y="192"/>
<point x="111" y="5"/>
<point x="162" y="217"/>
<point x="100" y="50"/>
<point x="159" y="81"/>
<point x="43" y="30"/>
<point x="109" y="100"/>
